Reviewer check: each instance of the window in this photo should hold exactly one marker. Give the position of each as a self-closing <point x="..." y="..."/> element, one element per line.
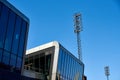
<point x="36" y="62"/>
<point x="22" y="39"/>
<point x="6" y="57"/>
<point x="13" y="60"/>
<point x="48" y="62"/>
<point x="3" y="24"/>
<point x="42" y="64"/>
<point x="16" y="35"/>
<point x="10" y="30"/>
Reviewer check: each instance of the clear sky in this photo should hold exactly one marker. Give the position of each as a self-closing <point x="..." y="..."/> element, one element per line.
<point x="53" y="20"/>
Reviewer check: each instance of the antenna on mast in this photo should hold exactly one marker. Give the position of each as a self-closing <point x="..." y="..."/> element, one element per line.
<point x="77" y="30"/>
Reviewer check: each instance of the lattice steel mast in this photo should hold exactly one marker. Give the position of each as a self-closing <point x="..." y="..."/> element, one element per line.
<point x="77" y="30"/>
<point x="107" y="73"/>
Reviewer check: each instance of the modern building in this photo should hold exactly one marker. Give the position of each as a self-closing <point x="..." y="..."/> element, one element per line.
<point x="52" y="61"/>
<point x="13" y="38"/>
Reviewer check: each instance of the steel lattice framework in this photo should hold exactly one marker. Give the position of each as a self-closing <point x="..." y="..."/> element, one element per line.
<point x="77" y="30"/>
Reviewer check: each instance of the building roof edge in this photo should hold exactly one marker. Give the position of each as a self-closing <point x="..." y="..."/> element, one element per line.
<point x="15" y="10"/>
<point x="44" y="46"/>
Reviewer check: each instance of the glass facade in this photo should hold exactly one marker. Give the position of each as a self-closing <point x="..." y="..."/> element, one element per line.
<point x="13" y="37"/>
<point x="69" y="67"/>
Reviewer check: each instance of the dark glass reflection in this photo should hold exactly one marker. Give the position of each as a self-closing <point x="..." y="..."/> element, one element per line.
<point x="10" y="30"/>
<point x="68" y="67"/>
<point x="19" y="63"/>
<point x="13" y="60"/>
<point x="0" y="55"/>
<point x="16" y="35"/>
<point x="6" y="57"/>
<point x="12" y="36"/>
<point x="22" y="37"/>
<point x="0" y="7"/>
<point x="3" y="24"/>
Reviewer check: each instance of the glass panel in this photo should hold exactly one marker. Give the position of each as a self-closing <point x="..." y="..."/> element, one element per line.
<point x="64" y="68"/>
<point x="0" y="55"/>
<point x="0" y="7"/>
<point x="3" y="25"/>
<point x="72" y="71"/>
<point x="26" y="60"/>
<point x="62" y="64"/>
<point x="6" y="57"/>
<point x="79" y="71"/>
<point x="19" y="63"/>
<point x="16" y="35"/>
<point x="48" y="62"/>
<point x="75" y="71"/>
<point x="82" y="73"/>
<point x="22" y="39"/>
<point x="36" y="63"/>
<point x="10" y="30"/>
<point x="13" y="60"/>
<point x="31" y="63"/>
<point x="42" y="64"/>
<point x="61" y="57"/>
<point x="68" y="67"/>
<point x="67" y="63"/>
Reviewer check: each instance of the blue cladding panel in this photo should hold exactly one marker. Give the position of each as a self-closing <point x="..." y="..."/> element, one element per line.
<point x="69" y="68"/>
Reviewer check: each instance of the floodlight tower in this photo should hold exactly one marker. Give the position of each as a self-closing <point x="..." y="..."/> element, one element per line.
<point x="77" y="30"/>
<point x="107" y="73"/>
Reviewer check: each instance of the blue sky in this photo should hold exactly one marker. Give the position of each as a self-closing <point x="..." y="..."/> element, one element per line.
<point x="53" y="20"/>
